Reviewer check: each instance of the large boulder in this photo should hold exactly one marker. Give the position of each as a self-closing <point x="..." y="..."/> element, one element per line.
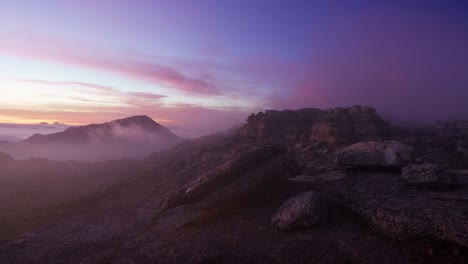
<point x="301" y="211"/>
<point x="376" y="154"/>
<point x="252" y="172"/>
<point x="429" y="175"/>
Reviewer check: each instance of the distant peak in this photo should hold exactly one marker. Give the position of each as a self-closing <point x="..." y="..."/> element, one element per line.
<point x="140" y="119"/>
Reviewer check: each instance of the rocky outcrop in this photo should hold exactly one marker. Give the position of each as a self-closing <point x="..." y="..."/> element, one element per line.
<point x="337" y="126"/>
<point x="255" y="170"/>
<point x="429" y="175"/>
<point x="301" y="211"/>
<point x="376" y="154"/>
<point x="340" y="126"/>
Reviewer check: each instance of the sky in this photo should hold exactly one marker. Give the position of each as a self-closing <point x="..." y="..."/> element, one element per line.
<point x="202" y="66"/>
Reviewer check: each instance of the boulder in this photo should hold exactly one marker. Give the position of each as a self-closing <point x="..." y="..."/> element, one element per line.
<point x="376" y="154"/>
<point x="429" y="175"/>
<point x="301" y="211"/>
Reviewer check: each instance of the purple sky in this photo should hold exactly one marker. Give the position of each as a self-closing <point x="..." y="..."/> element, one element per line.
<point x="202" y="66"/>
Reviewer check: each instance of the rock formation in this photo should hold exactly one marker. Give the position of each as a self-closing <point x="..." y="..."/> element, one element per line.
<point x="257" y="169"/>
<point x="429" y="175"/>
<point x="301" y="211"/>
<point x="376" y="154"/>
<point x="337" y="126"/>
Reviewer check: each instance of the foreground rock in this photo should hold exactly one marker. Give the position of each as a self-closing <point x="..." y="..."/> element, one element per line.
<point x="324" y="177"/>
<point x="429" y="175"/>
<point x="376" y="154"/>
<point x="252" y="172"/>
<point x="301" y="211"/>
<point x="395" y="210"/>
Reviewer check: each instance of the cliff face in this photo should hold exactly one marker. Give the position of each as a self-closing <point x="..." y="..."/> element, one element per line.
<point x="337" y="126"/>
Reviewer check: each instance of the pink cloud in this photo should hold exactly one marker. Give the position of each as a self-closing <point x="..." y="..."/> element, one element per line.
<point x="146" y="95"/>
<point x="131" y="98"/>
<point x="62" y="83"/>
<point x="48" y="49"/>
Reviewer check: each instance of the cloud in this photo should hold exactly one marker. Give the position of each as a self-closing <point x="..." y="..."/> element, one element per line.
<point x="53" y="50"/>
<point x="145" y="95"/>
<point x="62" y="83"/>
<point x="131" y="98"/>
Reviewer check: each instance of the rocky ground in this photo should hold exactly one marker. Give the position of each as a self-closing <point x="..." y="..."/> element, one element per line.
<point x="273" y="193"/>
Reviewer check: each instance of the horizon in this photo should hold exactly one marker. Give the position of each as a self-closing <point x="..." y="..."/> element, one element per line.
<point x="28" y="130"/>
<point x="204" y="67"/>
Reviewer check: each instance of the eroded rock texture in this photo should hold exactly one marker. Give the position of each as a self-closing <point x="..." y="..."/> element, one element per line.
<point x="430" y="175"/>
<point x="301" y="211"/>
<point x="337" y="126"/>
<point x="396" y="210"/>
<point x="375" y="154"/>
<point x="256" y="170"/>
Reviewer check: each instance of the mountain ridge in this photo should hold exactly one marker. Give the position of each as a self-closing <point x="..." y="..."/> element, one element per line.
<point x="102" y="131"/>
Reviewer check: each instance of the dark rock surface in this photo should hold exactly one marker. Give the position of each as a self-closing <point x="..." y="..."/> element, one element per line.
<point x="301" y="211"/>
<point x="394" y="209"/>
<point x="259" y="168"/>
<point x="429" y="175"/>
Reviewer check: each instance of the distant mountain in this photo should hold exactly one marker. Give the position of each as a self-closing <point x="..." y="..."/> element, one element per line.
<point x="131" y="129"/>
<point x="132" y="137"/>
